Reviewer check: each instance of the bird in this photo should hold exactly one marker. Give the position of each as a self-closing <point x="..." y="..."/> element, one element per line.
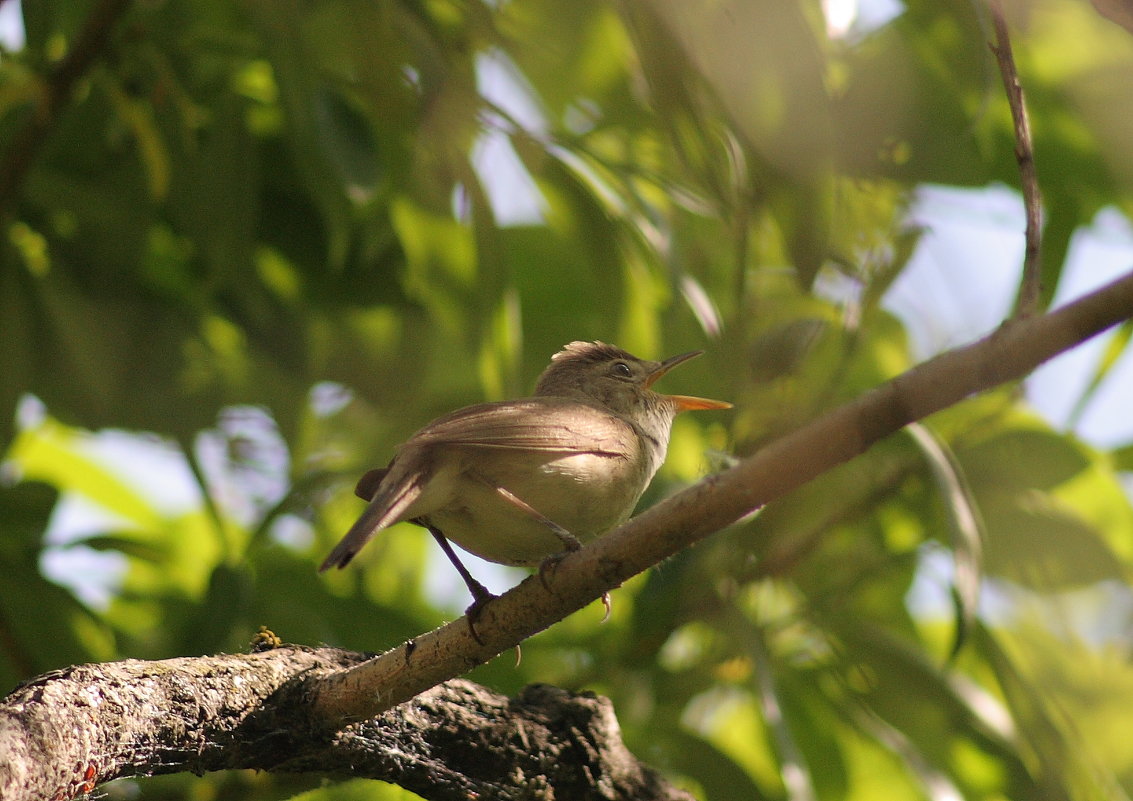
<point x="526" y="481"/>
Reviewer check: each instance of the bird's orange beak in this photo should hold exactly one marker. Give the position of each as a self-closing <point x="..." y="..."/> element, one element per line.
<point x="684" y="403"/>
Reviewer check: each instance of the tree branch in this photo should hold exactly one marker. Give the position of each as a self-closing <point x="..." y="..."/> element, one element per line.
<point x="63" y="733"/>
<point x="1011" y="352"/>
<point x="1030" y="286"/>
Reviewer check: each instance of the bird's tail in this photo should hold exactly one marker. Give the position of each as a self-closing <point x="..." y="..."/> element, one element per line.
<point x="386" y="508"/>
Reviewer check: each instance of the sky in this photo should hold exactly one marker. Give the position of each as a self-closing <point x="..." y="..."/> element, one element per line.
<point x="11" y="25"/>
<point x="962" y="280"/>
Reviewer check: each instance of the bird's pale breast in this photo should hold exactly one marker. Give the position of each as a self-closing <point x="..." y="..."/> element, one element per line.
<point x="586" y="493"/>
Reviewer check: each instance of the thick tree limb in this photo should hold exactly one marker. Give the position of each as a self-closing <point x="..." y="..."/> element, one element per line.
<point x="66" y="731"/>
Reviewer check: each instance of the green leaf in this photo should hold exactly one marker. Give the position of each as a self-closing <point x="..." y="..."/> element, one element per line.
<point x="1059" y="694"/>
<point x="1123" y="458"/>
<point x="124" y="543"/>
<point x="964" y="523"/>
<point x="54" y="453"/>
<point x="939" y="722"/>
<point x="1054" y="518"/>
<point x="44" y="626"/>
<point x="720" y="776"/>
<point x="346" y="136"/>
<point x="1020" y="459"/>
<point x="591" y="50"/>
<point x="1040" y="543"/>
<point x="815" y="731"/>
<point x="1116" y="347"/>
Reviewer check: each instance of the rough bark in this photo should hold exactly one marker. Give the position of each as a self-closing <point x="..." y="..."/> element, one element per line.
<point x="65" y="732"/>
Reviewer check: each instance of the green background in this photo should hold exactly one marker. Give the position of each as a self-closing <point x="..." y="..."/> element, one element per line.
<point x="258" y="237"/>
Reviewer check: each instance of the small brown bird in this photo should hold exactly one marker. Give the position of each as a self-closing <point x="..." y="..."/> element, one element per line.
<point x="521" y="481"/>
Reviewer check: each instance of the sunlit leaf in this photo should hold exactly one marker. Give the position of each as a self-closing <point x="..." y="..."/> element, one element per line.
<point x="136" y="116"/>
<point x="54" y="453"/>
<point x="1116" y="346"/>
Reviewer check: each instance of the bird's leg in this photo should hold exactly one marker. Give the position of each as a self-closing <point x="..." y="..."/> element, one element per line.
<point x="480" y="594"/>
<point x="569" y="541"/>
<point x="366" y="489"/>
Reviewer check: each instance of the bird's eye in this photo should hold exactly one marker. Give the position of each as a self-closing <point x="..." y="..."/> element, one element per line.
<point x="621" y="370"/>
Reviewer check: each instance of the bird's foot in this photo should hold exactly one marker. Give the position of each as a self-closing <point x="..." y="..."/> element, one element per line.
<point x="608" y="604"/>
<point x="481" y="596"/>
<point x="549" y="565"/>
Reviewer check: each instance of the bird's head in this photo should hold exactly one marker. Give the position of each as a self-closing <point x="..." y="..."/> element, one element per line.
<point x="618" y="380"/>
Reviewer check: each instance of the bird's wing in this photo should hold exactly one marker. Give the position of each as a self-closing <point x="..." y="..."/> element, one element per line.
<point x="551" y="425"/>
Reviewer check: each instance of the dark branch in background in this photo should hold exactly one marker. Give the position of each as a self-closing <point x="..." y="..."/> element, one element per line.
<point x="1118" y="11"/>
<point x="56" y="91"/>
<point x="70" y="730"/>
<point x="1030" y="287"/>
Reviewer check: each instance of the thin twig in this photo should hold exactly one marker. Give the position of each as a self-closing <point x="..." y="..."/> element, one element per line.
<point x="57" y="89"/>
<point x="1030" y="287"/>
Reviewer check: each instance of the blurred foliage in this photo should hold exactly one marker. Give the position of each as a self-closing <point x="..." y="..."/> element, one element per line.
<point x="271" y="239"/>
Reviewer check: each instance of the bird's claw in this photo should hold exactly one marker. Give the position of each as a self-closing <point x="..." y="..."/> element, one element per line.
<point x="551" y="563"/>
<point x="481" y="597"/>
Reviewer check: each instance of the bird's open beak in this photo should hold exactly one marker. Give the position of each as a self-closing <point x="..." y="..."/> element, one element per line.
<point x="684" y="402"/>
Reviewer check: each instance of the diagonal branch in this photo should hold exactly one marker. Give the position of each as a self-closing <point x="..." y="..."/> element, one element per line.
<point x="1010" y="353"/>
